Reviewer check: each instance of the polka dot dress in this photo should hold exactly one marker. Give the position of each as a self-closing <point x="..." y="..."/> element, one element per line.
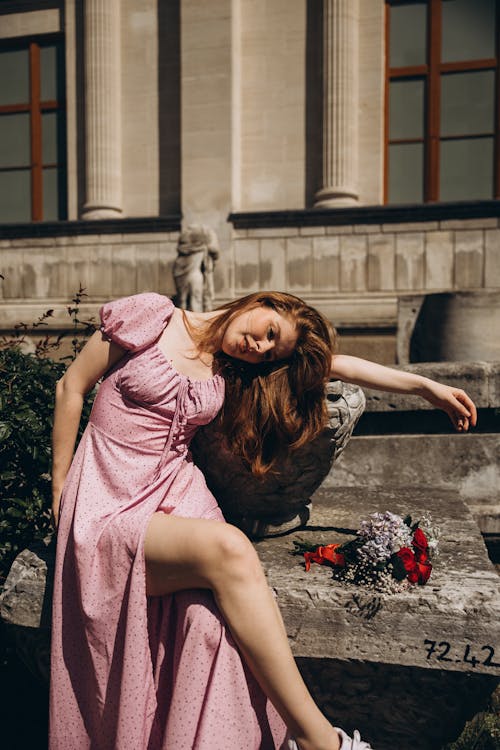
<point x="131" y="672"/>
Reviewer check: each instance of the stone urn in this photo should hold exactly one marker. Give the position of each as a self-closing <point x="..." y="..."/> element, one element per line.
<point x="280" y="501"/>
<point x="449" y="327"/>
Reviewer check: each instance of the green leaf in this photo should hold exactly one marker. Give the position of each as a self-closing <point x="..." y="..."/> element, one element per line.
<point x="398" y="569"/>
<point x="8" y="476"/>
<point x="5" y="431"/>
<point x="14" y="513"/>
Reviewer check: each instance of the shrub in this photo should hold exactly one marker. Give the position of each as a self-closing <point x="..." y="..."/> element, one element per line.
<point x="27" y="390"/>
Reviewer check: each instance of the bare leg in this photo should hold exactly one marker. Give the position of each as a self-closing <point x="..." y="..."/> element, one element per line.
<point x="187" y="553"/>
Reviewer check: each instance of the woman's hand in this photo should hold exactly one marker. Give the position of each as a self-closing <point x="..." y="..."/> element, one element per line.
<point x="454" y="401"/>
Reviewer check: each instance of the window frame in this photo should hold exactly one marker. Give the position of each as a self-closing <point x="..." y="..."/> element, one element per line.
<point x="430" y="73"/>
<point x="35" y="107"/>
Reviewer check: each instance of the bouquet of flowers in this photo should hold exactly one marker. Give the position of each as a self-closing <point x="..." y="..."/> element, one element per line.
<point x="388" y="552"/>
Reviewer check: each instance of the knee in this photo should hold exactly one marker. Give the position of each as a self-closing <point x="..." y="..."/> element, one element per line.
<point x="236" y="556"/>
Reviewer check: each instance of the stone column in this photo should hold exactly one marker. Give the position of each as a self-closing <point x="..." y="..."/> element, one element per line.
<point x="340" y="104"/>
<point x="103" y="146"/>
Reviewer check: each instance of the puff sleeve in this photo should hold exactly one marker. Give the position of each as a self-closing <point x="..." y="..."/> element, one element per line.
<point x="136" y="322"/>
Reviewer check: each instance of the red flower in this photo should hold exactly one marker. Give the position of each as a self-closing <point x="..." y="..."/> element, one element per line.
<point x="424" y="571"/>
<point x="417" y="566"/>
<point x="407" y="557"/>
<point x="420" y="546"/>
<point x="326" y="554"/>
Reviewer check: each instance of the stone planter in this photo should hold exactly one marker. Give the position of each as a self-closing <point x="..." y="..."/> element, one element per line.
<point x="280" y="501"/>
<point x="449" y="327"/>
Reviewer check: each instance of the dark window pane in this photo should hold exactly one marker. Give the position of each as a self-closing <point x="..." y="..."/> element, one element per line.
<point x="466" y="169"/>
<point x="14" y="77"/>
<point x="50" y="195"/>
<point x="406" y="103"/>
<point x="15" y="146"/>
<point x="468" y="30"/>
<point x="406" y="172"/>
<point x="48" y="73"/>
<point x="408" y="44"/>
<point x="49" y="137"/>
<point x="15" y="189"/>
<point x="468" y="103"/>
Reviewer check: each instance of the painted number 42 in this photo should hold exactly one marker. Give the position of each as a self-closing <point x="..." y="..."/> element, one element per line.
<point x="441" y="650"/>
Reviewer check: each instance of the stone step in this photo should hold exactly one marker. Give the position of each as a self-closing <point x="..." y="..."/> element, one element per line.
<point x="470" y="463"/>
<point x="373" y="660"/>
<point x="467" y="465"/>
<point x="460" y="606"/>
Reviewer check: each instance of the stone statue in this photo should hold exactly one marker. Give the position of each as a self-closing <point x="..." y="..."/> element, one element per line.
<point x="197" y="252"/>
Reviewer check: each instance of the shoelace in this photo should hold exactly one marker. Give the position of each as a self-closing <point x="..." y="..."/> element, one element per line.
<point x="362" y="745"/>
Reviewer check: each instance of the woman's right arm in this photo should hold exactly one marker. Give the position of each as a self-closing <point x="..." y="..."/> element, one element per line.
<point x="97" y="356"/>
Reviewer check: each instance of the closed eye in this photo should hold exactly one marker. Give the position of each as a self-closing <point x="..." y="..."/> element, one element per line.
<point x="271" y="334"/>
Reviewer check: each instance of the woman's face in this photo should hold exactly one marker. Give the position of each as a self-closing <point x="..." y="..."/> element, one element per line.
<point x="259" y="335"/>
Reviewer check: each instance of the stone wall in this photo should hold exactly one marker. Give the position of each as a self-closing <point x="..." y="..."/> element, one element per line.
<point x="376" y="261"/>
<point x="354" y="273"/>
<point x="46" y="272"/>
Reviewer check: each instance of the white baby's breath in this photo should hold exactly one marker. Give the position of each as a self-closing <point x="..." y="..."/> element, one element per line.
<point x="384" y="534"/>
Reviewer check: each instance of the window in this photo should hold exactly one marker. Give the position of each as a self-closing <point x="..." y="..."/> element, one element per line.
<point x="32" y="132"/>
<point x="442" y="94"/>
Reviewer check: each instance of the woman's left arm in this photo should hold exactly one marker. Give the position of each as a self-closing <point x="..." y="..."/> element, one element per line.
<point x="454" y="401"/>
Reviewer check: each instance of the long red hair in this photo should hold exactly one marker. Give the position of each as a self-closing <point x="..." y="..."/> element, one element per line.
<point x="272" y="409"/>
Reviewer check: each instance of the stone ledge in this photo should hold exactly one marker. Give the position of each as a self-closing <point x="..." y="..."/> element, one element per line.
<point x="467" y="464"/>
<point x="374" y="311"/>
<point x="171" y="223"/>
<point x="481" y="380"/>
<point x="366" y="215"/>
<point x="459" y="608"/>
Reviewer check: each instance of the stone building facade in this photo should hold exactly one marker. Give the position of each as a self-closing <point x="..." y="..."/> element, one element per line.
<point x="271" y="121"/>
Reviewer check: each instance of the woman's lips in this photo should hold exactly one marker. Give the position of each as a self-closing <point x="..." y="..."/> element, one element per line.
<point x="243" y="345"/>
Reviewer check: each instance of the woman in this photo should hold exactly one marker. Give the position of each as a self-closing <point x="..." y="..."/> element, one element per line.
<point x="155" y="598"/>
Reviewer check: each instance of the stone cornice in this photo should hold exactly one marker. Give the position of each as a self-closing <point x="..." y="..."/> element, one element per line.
<point x="365" y="215"/>
<point x="170" y="223"/>
<point x="27" y="6"/>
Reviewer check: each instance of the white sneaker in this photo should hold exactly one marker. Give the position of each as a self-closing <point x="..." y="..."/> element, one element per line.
<point x="348" y="743"/>
<point x="352" y="743"/>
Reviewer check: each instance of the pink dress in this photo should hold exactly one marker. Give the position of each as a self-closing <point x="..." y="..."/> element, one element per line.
<point x="130" y="672"/>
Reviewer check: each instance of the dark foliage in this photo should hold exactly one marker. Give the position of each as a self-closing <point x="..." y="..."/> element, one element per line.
<point x="27" y="390"/>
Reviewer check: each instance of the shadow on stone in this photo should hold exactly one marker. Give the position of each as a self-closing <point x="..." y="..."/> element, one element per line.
<point x="359" y="691"/>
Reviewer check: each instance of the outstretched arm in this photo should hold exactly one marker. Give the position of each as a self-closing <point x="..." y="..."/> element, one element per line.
<point x="454" y="401"/>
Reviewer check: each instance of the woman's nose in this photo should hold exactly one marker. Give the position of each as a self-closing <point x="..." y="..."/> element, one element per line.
<point x="252" y="343"/>
<point x="259" y="345"/>
<point x="265" y="345"/>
